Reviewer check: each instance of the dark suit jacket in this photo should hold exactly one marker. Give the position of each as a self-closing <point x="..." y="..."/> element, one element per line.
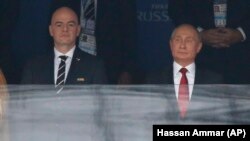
<point x="202" y="76"/>
<point x="231" y="62"/>
<point x="115" y="33"/>
<point x="84" y="69"/>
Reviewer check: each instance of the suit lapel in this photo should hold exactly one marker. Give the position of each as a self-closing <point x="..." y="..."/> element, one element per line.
<point x="167" y="78"/>
<point x="197" y="81"/>
<point x="167" y="75"/>
<point x="48" y="71"/>
<point x="51" y="68"/>
<point x="80" y="69"/>
<point x="73" y="70"/>
<point x="198" y="77"/>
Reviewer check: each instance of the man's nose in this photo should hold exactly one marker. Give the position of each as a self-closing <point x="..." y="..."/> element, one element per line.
<point x="182" y="44"/>
<point x="65" y="28"/>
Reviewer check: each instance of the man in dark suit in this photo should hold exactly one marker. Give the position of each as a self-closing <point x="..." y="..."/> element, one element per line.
<point x="184" y="54"/>
<point x="185" y="44"/>
<point x="226" y="42"/>
<point x="79" y="67"/>
<point x="113" y="35"/>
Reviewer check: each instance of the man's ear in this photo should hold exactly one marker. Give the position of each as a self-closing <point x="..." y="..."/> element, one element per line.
<point x="50" y="30"/>
<point x="170" y="44"/>
<point x="199" y="47"/>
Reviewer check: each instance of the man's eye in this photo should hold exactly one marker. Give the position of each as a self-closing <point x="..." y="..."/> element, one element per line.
<point x="189" y="40"/>
<point x="177" y="40"/>
<point x="58" y="25"/>
<point x="72" y="24"/>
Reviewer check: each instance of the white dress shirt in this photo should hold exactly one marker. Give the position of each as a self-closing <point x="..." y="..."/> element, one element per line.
<point x="57" y="61"/>
<point x="177" y="77"/>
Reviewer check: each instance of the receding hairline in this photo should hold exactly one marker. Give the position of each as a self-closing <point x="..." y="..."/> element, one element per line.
<point x="63" y="8"/>
<point x="186" y="26"/>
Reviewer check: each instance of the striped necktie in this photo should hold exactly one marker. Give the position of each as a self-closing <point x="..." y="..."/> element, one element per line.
<point x="61" y="74"/>
<point x="89" y="12"/>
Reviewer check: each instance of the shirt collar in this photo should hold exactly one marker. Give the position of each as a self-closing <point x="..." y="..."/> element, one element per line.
<point x="69" y="53"/>
<point x="190" y="68"/>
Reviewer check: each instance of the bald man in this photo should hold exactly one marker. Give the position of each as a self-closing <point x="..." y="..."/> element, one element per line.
<point x="79" y="67"/>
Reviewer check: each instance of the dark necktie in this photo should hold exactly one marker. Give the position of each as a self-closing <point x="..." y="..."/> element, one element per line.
<point x="183" y="97"/>
<point x="61" y="74"/>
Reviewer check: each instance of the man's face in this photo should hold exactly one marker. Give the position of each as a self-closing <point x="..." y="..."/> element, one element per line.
<point x="64" y="27"/>
<point x="185" y="45"/>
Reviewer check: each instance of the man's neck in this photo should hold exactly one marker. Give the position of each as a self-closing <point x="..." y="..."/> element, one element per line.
<point x="63" y="48"/>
